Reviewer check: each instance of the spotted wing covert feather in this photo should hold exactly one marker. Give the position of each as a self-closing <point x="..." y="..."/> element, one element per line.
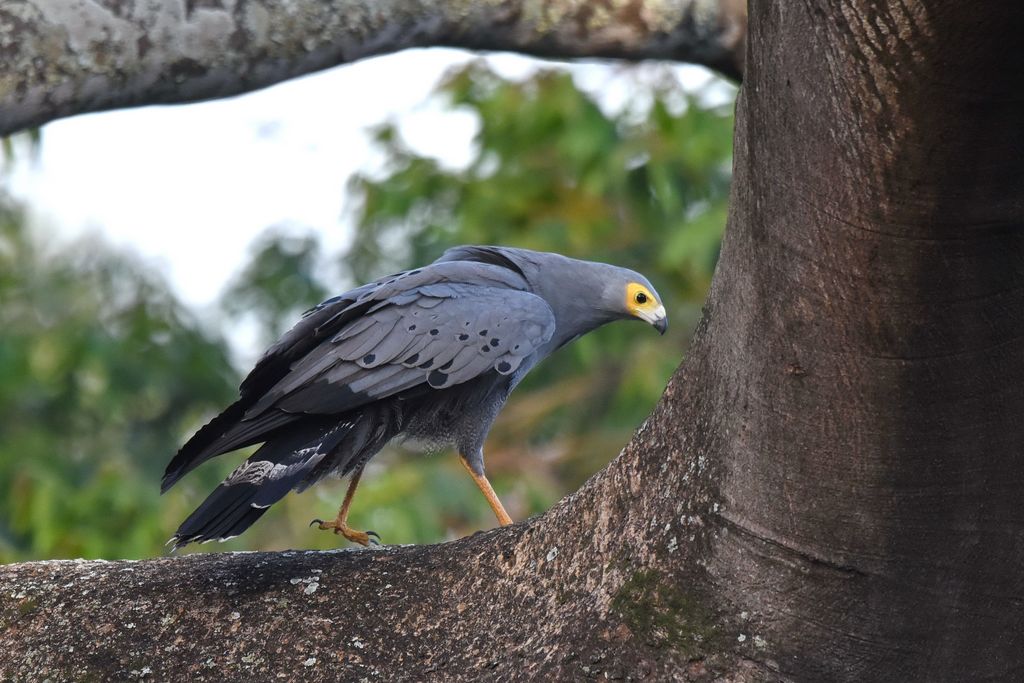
<point x="442" y="334"/>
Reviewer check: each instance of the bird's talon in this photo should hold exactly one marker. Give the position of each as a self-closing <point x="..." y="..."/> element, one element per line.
<point x="364" y="538"/>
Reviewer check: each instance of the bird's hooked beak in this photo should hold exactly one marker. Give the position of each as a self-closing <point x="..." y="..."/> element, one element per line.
<point x="657" y="318"/>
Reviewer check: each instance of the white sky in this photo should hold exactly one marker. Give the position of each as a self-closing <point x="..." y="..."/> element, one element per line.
<point x="189" y="187"/>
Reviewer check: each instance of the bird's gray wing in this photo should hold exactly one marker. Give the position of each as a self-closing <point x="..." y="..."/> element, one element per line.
<point x="439" y="334"/>
<point x="325" y="320"/>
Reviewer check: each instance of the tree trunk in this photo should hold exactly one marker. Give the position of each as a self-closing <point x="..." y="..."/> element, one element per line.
<point x="865" y="342"/>
<point x="60" y="58"/>
<point x="828" y="490"/>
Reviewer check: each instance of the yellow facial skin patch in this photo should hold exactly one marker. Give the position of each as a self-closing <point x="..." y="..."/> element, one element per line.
<point x="641" y="303"/>
<point x="639" y="299"/>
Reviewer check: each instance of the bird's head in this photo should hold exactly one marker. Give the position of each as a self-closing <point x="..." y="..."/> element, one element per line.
<point x="641" y="301"/>
<point x="591" y="294"/>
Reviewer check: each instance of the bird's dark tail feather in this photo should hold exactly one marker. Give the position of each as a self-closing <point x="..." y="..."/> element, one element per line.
<point x="227" y="432"/>
<point x="284" y="462"/>
<point x="190" y="455"/>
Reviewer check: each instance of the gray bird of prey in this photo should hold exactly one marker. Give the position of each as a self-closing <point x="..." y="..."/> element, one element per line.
<point x="430" y="353"/>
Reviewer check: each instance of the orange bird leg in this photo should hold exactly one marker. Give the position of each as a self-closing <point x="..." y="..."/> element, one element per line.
<point x="340" y="523"/>
<point x="489" y="494"/>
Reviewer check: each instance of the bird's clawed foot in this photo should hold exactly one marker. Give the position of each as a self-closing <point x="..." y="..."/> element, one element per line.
<point x="365" y="538"/>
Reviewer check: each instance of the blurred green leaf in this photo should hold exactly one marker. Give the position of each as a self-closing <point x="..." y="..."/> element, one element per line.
<point x="103" y="373"/>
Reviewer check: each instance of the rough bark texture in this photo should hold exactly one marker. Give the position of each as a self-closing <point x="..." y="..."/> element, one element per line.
<point x="866" y="334"/>
<point x="65" y="57"/>
<point x="867" y="326"/>
<point x="608" y="584"/>
<point x="828" y="490"/>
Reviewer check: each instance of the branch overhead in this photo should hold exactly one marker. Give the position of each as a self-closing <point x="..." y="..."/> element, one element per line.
<point x="62" y="59"/>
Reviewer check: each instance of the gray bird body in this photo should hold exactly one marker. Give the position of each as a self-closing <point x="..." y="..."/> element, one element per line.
<point x="430" y="353"/>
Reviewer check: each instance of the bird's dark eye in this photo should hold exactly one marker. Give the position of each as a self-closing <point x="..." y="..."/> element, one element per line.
<point x="640" y="298"/>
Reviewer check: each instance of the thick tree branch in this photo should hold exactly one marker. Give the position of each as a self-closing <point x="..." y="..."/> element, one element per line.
<point x="592" y="589"/>
<point x="62" y="58"/>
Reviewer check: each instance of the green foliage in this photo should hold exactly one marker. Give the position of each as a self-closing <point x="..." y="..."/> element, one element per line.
<point x="553" y="172"/>
<point x="103" y="374"/>
<point x="101" y="371"/>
